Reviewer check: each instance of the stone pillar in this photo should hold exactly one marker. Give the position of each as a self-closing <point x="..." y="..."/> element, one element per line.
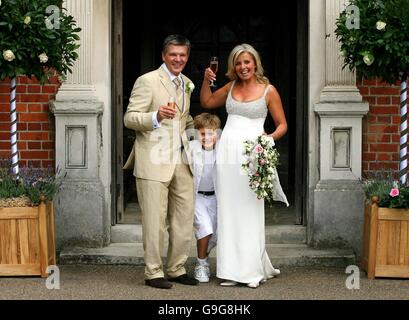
<point x="80" y="205"/>
<point x="79" y="82"/>
<point x="339" y="84"/>
<point x="338" y="197"/>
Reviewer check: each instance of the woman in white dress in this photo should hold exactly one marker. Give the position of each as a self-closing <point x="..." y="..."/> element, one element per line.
<point x="241" y="253"/>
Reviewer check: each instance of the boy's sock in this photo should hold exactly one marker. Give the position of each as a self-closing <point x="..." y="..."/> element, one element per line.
<point x="202" y="262"/>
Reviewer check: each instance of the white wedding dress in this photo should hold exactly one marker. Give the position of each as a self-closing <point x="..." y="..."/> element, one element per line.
<point x="241" y="253"/>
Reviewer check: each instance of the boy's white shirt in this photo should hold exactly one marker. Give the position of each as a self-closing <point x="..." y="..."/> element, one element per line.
<point x="198" y="167"/>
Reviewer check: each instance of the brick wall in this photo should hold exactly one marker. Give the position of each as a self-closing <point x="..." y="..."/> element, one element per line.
<point x="381" y="133"/>
<point x="36" y="133"/>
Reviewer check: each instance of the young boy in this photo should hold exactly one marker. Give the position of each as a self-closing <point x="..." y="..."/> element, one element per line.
<point x="205" y="221"/>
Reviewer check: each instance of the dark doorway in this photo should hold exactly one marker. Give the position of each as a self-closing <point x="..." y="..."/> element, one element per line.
<point x="276" y="37"/>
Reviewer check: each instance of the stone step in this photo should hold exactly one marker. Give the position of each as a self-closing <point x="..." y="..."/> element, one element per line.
<point x="280" y="255"/>
<point x="292" y="234"/>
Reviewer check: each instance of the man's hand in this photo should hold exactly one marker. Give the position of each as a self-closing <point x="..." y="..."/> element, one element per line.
<point x="166" y="112"/>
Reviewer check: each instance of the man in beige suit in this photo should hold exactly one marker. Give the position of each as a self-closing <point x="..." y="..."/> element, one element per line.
<point x="163" y="177"/>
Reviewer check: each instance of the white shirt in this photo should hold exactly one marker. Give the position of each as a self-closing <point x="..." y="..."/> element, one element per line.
<point x="206" y="180"/>
<point x="156" y="123"/>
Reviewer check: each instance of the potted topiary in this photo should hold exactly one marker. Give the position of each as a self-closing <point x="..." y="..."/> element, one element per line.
<point x="374" y="38"/>
<point x="37" y="39"/>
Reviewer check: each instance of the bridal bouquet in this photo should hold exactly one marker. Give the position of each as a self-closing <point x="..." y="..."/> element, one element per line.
<point x="261" y="160"/>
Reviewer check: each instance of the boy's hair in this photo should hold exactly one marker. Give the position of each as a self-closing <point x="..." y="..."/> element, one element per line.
<point x="207" y="120"/>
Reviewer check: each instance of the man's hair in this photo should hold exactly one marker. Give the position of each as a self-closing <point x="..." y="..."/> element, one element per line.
<point x="207" y="120"/>
<point x="176" y="40"/>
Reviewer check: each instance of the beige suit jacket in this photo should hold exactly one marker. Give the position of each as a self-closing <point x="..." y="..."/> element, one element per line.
<point x="156" y="151"/>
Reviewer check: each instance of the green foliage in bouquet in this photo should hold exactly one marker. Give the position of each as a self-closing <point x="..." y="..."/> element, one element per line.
<point x="375" y="38"/>
<point x="261" y="160"/>
<point x="37" y="37"/>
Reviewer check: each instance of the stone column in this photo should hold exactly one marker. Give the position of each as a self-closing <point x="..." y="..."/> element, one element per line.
<point x="339" y="84"/>
<point x="338" y="197"/>
<point x="80" y="205"/>
<point x="79" y="83"/>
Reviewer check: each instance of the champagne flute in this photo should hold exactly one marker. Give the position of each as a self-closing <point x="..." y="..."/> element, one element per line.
<point x="172" y="102"/>
<point x="214" y="65"/>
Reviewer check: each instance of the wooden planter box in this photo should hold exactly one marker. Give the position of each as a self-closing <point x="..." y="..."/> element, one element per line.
<point x="27" y="242"/>
<point x="386" y="242"/>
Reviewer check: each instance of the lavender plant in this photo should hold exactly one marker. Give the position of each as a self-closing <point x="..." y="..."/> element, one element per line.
<point x="31" y="185"/>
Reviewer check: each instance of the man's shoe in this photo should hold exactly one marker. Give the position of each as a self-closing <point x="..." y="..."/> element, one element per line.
<point x="202" y="273"/>
<point x="160" y="283"/>
<point x="185" y="279"/>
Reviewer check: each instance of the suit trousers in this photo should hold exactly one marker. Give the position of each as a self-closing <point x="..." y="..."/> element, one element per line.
<point x="167" y="205"/>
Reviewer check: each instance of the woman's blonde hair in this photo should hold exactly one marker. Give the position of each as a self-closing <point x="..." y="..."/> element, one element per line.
<point x="234" y="55"/>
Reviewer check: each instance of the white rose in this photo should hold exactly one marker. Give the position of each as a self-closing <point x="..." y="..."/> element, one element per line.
<point x="190" y="87"/>
<point x="8" y="55"/>
<point x="43" y="58"/>
<point x="380" y="25"/>
<point x="27" y="19"/>
<point x="368" y="59"/>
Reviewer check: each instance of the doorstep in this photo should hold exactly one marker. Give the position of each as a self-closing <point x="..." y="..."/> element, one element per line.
<point x="280" y="255"/>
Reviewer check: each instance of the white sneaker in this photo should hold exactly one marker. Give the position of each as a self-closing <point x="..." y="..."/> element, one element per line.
<point x="202" y="273"/>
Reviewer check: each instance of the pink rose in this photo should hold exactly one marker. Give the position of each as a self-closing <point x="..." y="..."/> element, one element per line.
<point x="262" y="162"/>
<point x="256" y="174"/>
<point x="394" y="192"/>
<point x="258" y="149"/>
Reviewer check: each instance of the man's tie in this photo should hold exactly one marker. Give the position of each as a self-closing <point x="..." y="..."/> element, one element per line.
<point x="178" y="86"/>
<point x="177" y="83"/>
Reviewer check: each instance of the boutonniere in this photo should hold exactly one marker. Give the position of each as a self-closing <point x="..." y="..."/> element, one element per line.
<point x="189" y="87"/>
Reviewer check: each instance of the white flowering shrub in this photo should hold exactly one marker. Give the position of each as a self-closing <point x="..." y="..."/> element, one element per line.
<point x="37" y="38"/>
<point x="374" y="36"/>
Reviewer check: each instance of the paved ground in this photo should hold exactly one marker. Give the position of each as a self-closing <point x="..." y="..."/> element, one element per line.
<point x="126" y="282"/>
